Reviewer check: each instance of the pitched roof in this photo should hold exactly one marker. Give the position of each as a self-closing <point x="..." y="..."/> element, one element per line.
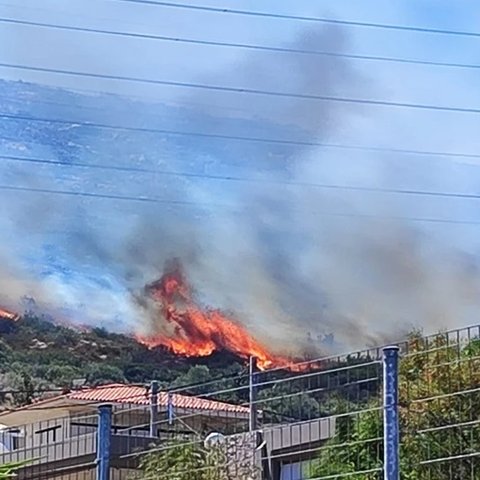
<point x="133" y="394"/>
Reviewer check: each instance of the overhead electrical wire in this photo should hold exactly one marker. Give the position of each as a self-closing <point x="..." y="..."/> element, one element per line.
<point x="240" y="138"/>
<point x="73" y="193"/>
<point x="155" y="200"/>
<point x="244" y="46"/>
<point x="248" y="91"/>
<point x="217" y="88"/>
<point x="282" y="16"/>
<point x="233" y="178"/>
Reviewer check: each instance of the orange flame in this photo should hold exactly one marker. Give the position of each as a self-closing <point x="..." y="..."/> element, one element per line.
<point x="6" y="314"/>
<point x="200" y="332"/>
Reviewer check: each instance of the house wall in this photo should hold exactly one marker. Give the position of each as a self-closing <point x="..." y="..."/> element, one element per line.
<point x="291" y="447"/>
<point x="72" y="423"/>
<point x="44" y="411"/>
<point x="66" y="441"/>
<point x="33" y="435"/>
<point x="294" y="435"/>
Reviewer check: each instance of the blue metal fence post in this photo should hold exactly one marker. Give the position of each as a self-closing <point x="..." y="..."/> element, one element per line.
<point x="104" y="441"/>
<point x="154" y="409"/>
<point x="390" y="414"/>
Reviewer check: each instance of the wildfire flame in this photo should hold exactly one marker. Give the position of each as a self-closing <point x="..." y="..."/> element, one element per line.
<point x="199" y="331"/>
<point x="6" y="314"/>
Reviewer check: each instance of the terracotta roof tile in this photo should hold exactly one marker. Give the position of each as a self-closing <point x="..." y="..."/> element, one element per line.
<point x="132" y="394"/>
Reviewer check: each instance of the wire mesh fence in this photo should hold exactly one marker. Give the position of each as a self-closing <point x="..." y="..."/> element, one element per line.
<point x="440" y="406"/>
<point x="321" y="419"/>
<point x="305" y="422"/>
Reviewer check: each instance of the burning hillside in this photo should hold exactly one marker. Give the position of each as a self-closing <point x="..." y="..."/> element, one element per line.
<point x="201" y="331"/>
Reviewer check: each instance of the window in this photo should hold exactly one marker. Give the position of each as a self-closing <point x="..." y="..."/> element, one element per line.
<point x="11" y="439"/>
<point x="291" y="471"/>
<point x="18" y="442"/>
<point x="294" y="470"/>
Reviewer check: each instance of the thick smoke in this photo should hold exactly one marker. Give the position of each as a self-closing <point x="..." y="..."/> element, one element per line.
<point x="292" y="263"/>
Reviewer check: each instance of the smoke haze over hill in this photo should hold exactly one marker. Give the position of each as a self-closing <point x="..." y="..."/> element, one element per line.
<point x="284" y="259"/>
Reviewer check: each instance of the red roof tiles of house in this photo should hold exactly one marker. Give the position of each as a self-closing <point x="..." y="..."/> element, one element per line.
<point x="132" y="394"/>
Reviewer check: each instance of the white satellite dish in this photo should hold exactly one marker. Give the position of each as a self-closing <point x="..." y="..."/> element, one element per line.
<point x="213" y="438"/>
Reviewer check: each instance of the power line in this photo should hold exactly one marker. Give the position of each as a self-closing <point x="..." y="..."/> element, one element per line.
<point x="216" y="136"/>
<point x="108" y="196"/>
<point x="232" y="178"/>
<point x="155" y="200"/>
<point x="332" y="21"/>
<point x="248" y="91"/>
<point x="245" y="46"/>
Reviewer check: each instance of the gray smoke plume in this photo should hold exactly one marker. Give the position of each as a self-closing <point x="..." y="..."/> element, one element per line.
<point x="293" y="263"/>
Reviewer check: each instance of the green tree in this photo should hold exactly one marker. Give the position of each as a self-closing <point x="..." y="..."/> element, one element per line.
<point x="191" y="459"/>
<point x="284" y="402"/>
<point x="5" y="356"/>
<point x="100" y="374"/>
<point x="62" y="375"/>
<point x="174" y="462"/>
<point x="439" y="405"/>
<point x="197" y="374"/>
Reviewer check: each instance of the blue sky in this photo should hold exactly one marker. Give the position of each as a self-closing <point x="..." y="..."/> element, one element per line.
<point x="274" y="231"/>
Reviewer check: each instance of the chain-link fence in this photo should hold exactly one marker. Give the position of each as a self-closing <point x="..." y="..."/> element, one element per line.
<point x="305" y="422"/>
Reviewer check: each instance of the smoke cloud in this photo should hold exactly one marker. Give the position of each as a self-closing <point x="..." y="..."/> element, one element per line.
<point x="292" y="263"/>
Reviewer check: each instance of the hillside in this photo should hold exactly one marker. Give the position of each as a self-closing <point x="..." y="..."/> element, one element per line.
<point x="37" y="356"/>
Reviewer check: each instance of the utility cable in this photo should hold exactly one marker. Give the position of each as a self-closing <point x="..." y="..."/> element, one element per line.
<point x="248" y="91"/>
<point x="245" y="46"/>
<point x="154" y="200"/>
<point x="240" y="138"/>
<point x="233" y="178"/>
<point x="332" y="21"/>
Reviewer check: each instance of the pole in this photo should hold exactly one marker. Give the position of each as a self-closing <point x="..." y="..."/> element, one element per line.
<point x="390" y="414"/>
<point x="253" y="423"/>
<point x="170" y="411"/>
<point x="104" y="441"/>
<point x="154" y="409"/>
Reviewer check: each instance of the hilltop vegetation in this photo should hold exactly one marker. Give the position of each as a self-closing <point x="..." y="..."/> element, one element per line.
<point x="37" y="355"/>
